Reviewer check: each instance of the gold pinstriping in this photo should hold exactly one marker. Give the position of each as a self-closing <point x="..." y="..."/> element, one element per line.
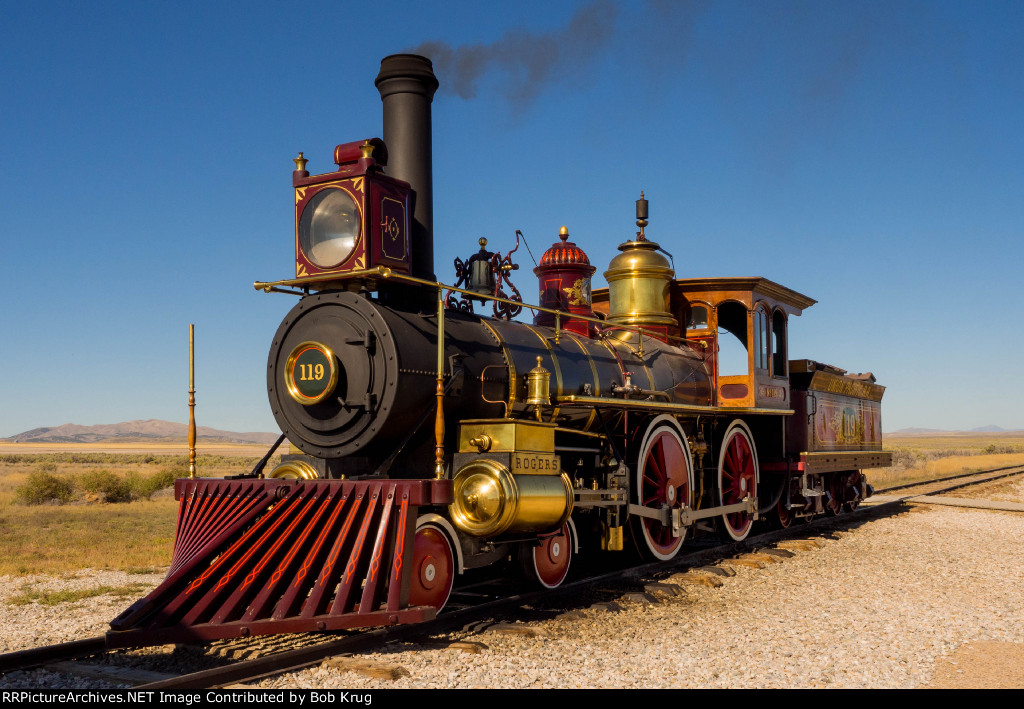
<point x="593" y="369"/>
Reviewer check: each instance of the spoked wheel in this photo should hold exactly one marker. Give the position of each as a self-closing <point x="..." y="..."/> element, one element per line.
<point x="547" y="564"/>
<point x="843" y="482"/>
<point x="433" y="567"/>
<point x="737" y="477"/>
<point x="834" y="504"/>
<point x="664" y="478"/>
<point x="850" y="480"/>
<point x="785" y="517"/>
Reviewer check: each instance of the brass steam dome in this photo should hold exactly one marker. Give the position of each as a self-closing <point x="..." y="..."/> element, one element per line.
<point x="638" y="281"/>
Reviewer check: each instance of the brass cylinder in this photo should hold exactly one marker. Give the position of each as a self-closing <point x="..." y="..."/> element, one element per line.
<point x="489" y="500"/>
<point x="638" y="286"/>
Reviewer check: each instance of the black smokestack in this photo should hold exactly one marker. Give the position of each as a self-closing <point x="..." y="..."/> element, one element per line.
<point x="407" y="84"/>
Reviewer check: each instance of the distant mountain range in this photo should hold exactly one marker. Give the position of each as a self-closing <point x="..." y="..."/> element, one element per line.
<point x="979" y="429"/>
<point x="155" y="430"/>
<point x="148" y="430"/>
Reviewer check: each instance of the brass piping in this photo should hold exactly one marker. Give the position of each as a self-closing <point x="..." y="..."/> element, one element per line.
<point x="387" y="273"/>
<point x="591" y="434"/>
<point x="578" y="400"/>
<point x="509" y="362"/>
<point x="379" y="271"/>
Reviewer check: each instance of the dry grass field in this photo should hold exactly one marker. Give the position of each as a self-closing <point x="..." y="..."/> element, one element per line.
<point x="85" y="532"/>
<point x="927" y="456"/>
<point x="137" y="536"/>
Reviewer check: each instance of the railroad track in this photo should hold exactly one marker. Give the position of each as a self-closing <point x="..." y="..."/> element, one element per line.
<point x="946" y="484"/>
<point x="498" y="601"/>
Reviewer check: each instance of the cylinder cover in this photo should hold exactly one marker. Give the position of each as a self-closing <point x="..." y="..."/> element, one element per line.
<point x="490" y="500"/>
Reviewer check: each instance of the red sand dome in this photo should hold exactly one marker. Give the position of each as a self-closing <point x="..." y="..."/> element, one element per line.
<point x="564" y="278"/>
<point x="564" y="253"/>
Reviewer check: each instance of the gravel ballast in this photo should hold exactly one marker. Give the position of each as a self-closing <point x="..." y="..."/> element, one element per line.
<point x="884" y="605"/>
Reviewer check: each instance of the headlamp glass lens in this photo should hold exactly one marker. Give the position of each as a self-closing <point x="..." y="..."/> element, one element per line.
<point x="329" y="228"/>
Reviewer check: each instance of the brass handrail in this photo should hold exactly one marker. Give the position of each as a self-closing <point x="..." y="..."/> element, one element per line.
<point x="386" y="273"/>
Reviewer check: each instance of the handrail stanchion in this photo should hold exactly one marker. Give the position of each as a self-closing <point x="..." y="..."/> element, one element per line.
<point x="439" y="419"/>
<point x="191" y="401"/>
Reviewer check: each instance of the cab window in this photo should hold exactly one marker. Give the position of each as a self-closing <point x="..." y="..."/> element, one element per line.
<point x="779" y="354"/>
<point x="732" y="339"/>
<point x="761" y="338"/>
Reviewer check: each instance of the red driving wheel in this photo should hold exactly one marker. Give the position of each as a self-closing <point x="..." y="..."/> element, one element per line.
<point x="662" y="480"/>
<point x="737" y="478"/>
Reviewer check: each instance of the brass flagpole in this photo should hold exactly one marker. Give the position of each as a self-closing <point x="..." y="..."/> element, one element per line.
<point x="191" y="402"/>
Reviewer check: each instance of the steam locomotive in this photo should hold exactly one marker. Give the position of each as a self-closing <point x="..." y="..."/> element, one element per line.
<point x="427" y="440"/>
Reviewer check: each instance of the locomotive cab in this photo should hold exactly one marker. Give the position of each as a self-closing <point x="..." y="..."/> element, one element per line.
<point x="742" y="324"/>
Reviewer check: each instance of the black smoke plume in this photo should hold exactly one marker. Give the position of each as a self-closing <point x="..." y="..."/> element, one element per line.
<point x="527" y="60"/>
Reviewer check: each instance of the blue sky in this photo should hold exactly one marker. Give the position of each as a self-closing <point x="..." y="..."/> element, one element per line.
<point x="866" y="154"/>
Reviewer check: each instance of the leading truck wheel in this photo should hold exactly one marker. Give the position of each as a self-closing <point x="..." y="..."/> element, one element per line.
<point x="547" y="564"/>
<point x="785" y="515"/>
<point x="664" y="478"/>
<point x="737" y="478"/>
<point x="433" y="568"/>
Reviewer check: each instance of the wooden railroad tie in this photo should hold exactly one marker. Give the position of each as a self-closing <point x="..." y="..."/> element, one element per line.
<point x="468" y="646"/>
<point x="716" y="570"/>
<point x="659" y="587"/>
<point x="696" y="578"/>
<point x="514" y="629"/>
<point x="800" y="544"/>
<point x="779" y="553"/>
<point x="749" y="563"/>
<point x="367" y="668"/>
<point x="762" y="557"/>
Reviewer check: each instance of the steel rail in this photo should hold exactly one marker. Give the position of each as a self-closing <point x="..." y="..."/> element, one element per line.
<point x="1017" y="468"/>
<point x="36" y="656"/>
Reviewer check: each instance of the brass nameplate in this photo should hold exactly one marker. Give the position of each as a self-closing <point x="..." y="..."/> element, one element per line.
<point x="536" y="464"/>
